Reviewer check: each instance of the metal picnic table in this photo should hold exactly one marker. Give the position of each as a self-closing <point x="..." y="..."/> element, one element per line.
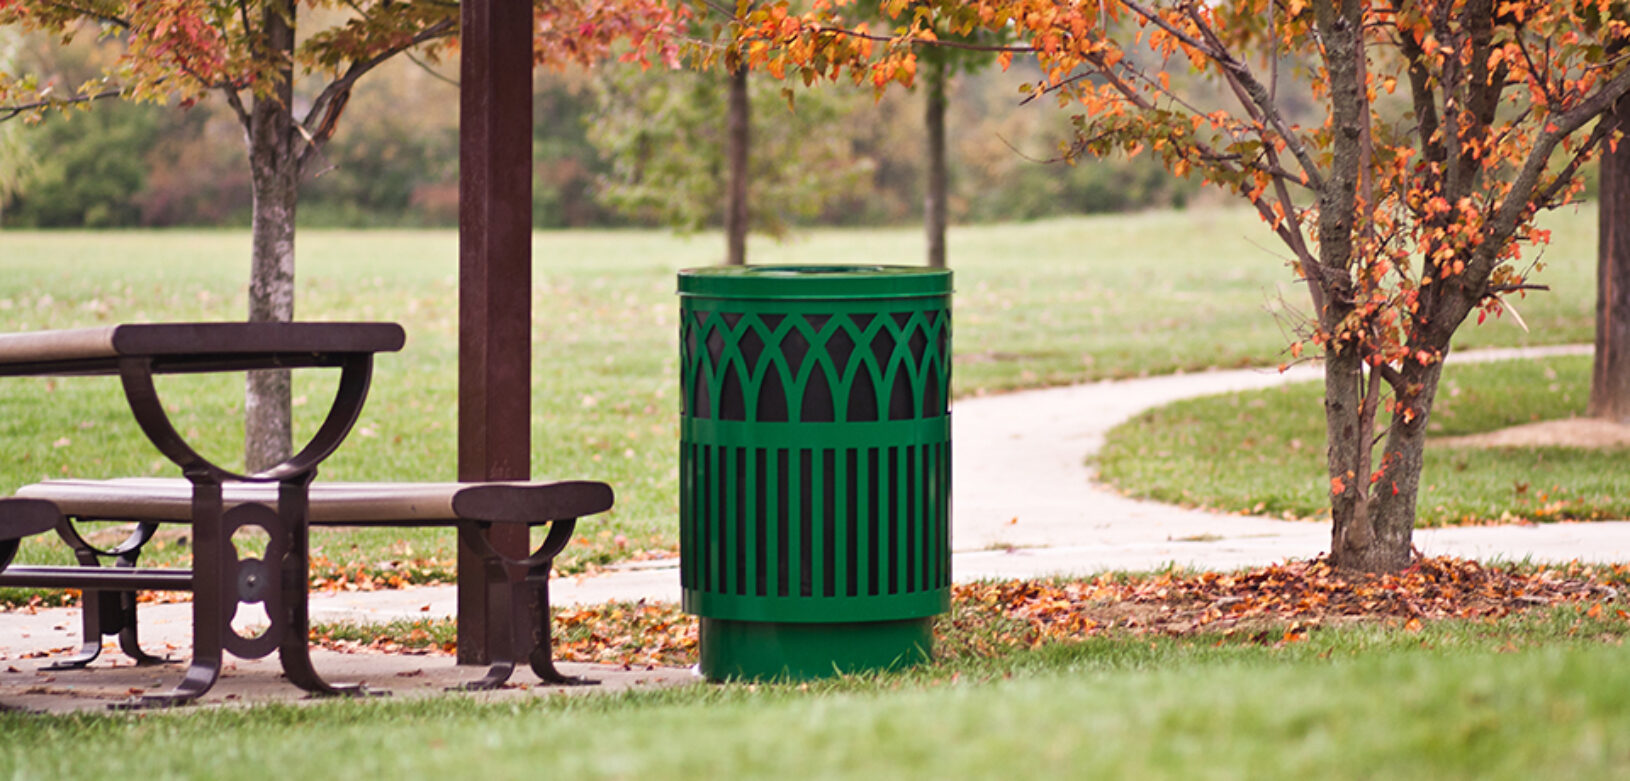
<point x="220" y="578"/>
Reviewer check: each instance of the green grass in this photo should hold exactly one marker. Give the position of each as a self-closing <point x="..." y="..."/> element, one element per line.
<point x="1038" y="304"/>
<point x="1263" y="451"/>
<point x="1536" y="695"/>
<point x="1043" y="303"/>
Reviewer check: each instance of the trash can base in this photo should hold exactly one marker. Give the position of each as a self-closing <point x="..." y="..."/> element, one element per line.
<point x="763" y="650"/>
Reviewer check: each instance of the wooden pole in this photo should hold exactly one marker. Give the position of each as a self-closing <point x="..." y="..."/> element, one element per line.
<point x="495" y="282"/>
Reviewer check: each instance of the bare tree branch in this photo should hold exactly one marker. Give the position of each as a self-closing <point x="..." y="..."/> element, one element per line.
<point x="1235" y="69"/>
<point x="117" y="21"/>
<point x="243" y="16"/>
<point x="425" y="66"/>
<point x="13" y="111"/>
<point x="1499" y="290"/>
<point x="1597" y="136"/>
<point x="235" y="100"/>
<point x="322" y="120"/>
<point x="1393" y="377"/>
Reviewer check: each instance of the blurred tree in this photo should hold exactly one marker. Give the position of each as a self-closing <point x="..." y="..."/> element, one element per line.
<point x="738" y="145"/>
<point x="1610" y="372"/>
<point x="369" y="176"/>
<point x="195" y="171"/>
<point x="939" y="66"/>
<point x="81" y="185"/>
<point x="15" y="162"/>
<point x="666" y="147"/>
<point x="1004" y="163"/>
<point x="568" y="166"/>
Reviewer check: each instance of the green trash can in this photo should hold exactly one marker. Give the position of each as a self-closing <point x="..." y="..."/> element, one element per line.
<point x="815" y="466"/>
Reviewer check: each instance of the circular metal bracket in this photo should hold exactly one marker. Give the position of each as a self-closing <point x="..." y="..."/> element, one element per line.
<point x="254" y="580"/>
<point x="257" y="580"/>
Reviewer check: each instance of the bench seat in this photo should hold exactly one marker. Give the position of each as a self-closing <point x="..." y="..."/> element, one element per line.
<point x="169" y="500"/>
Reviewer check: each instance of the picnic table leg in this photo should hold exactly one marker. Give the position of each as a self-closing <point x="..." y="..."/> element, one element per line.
<point x="512" y="586"/>
<point x="126" y="555"/>
<point x="102" y="614"/>
<point x="93" y="613"/>
<point x="209" y="616"/>
<point x="91" y="646"/>
<point x="222" y="580"/>
<point x="129" y="641"/>
<point x="501" y="646"/>
<point x="111" y="612"/>
<point x="542" y="659"/>
<point x="538" y="567"/>
<point x="295" y="648"/>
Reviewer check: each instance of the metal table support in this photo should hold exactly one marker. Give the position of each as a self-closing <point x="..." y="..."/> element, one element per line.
<point x="221" y="578"/>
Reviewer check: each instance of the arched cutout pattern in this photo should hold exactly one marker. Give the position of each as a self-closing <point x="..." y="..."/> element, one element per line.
<point x="793" y="367"/>
<point x="816" y="404"/>
<point x="772" y="398"/>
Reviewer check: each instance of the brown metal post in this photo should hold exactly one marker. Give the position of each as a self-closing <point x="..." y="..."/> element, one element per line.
<point x="495" y="283"/>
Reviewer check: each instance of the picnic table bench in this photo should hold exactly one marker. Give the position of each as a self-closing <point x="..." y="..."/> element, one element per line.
<point x="283" y="502"/>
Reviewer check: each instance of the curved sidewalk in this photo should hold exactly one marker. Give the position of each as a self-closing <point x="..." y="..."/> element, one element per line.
<point x="1025" y="504"/>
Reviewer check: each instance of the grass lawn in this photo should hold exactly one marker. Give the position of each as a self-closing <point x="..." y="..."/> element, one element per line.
<point x="1263" y="451"/>
<point x="1045" y="303"/>
<point x="1037" y="304"/>
<point x="1535" y="695"/>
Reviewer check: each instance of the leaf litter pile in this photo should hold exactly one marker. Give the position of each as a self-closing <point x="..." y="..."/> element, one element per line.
<point x="1277" y="604"/>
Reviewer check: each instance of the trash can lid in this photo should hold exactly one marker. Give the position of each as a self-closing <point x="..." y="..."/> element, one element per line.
<point x="808" y="281"/>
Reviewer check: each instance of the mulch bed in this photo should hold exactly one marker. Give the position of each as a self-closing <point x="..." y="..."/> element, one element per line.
<point x="1278" y="604"/>
<point x="1294" y="596"/>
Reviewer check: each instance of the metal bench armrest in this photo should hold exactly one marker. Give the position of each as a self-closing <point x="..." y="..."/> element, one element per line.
<point x="21" y="518"/>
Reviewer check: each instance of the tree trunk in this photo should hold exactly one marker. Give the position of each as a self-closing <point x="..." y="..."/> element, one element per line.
<point x="275" y="175"/>
<point x="1366" y="534"/>
<point x="1373" y="521"/>
<point x="1610" y="375"/>
<point x="934" y="203"/>
<point x="737" y="140"/>
<point x="1395" y="494"/>
<point x="1377" y="535"/>
<point x="1346" y="443"/>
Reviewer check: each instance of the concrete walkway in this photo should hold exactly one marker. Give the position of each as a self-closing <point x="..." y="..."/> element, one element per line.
<point x="1025" y="504"/>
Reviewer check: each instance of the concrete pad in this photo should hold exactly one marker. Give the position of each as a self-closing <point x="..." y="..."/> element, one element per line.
<point x="30" y="639"/>
<point x="243" y="682"/>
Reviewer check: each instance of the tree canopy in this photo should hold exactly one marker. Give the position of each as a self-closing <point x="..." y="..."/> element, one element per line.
<point x="186" y="50"/>
<point x="1447" y="126"/>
